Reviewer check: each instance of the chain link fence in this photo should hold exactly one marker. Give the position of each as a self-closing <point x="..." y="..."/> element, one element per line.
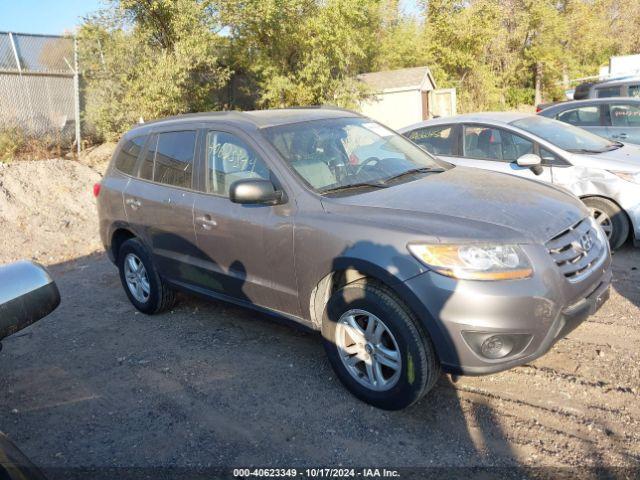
<point x="39" y="88"/>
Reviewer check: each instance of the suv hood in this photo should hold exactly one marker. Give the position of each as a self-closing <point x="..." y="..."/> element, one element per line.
<point x="468" y="204"/>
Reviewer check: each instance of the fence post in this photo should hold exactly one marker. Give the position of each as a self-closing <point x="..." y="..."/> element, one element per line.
<point x="76" y="91"/>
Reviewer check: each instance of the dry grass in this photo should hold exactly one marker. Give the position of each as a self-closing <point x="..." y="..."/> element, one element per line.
<point x="18" y="144"/>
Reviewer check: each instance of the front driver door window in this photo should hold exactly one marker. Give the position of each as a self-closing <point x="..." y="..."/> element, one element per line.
<point x="237" y="241"/>
<point x="588" y="117"/>
<point x="438" y="140"/>
<point x="497" y="149"/>
<point x="230" y="159"/>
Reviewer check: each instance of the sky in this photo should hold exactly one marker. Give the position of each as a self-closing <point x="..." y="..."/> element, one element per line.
<point x="44" y="16"/>
<point x="60" y="16"/>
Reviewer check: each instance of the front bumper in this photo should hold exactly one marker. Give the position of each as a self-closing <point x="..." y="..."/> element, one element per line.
<point x="634" y="215"/>
<point x="627" y="195"/>
<point x="545" y="307"/>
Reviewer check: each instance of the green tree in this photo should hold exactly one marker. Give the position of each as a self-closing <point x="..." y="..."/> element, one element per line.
<point x="303" y="52"/>
<point x="149" y="59"/>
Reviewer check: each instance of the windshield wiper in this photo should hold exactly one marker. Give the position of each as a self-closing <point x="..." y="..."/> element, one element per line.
<point x="584" y="150"/>
<point x="414" y="171"/>
<point x="351" y="186"/>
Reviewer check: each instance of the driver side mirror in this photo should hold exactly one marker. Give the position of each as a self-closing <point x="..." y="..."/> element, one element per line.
<point x="532" y="161"/>
<point x="255" y="191"/>
<point x="27" y="294"/>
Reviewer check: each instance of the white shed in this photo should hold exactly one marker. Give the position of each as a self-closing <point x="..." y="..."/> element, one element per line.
<point x="405" y="96"/>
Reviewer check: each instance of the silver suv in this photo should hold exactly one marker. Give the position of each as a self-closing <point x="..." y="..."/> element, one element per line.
<point x="405" y="263"/>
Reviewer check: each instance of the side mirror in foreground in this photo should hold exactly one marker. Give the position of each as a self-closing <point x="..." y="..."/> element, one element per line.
<point x="27" y="294"/>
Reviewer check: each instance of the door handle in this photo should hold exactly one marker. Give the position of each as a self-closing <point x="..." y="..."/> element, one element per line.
<point x="206" y="222"/>
<point x="621" y="135"/>
<point x="133" y="203"/>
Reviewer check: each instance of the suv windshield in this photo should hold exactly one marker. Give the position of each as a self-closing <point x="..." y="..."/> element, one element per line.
<point x="350" y="153"/>
<point x="565" y="136"/>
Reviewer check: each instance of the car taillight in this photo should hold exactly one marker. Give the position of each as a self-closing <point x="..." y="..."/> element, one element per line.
<point x="96" y="189"/>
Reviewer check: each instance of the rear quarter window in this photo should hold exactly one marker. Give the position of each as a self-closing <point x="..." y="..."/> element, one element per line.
<point x="129" y="153"/>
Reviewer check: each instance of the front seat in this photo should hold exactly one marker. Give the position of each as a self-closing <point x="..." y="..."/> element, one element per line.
<point x="310" y="164"/>
<point x="489" y="145"/>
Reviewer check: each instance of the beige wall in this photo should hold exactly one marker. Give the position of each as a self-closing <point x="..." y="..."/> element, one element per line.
<point x="394" y="109"/>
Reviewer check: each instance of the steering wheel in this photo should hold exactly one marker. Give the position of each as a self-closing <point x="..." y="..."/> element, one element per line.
<point x="367" y="162"/>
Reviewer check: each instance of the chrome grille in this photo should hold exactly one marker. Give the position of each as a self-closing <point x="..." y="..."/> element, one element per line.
<point x="577" y="250"/>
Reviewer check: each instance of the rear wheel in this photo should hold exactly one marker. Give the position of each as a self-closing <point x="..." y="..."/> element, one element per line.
<point x="611" y="218"/>
<point x="376" y="347"/>
<point x="140" y="280"/>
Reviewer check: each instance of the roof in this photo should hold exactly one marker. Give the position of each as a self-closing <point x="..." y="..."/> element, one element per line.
<point x="617" y="81"/>
<point x="588" y="101"/>
<point x="495" y="118"/>
<point x="255" y="118"/>
<point x="415" y="77"/>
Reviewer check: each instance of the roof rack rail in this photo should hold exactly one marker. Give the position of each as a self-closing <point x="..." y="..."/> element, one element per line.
<point x="325" y="106"/>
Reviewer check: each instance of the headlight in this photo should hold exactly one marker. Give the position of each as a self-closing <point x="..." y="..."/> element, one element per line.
<point x="474" y="262"/>
<point x="633" y="177"/>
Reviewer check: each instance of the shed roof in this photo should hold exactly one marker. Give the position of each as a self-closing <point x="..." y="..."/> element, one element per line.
<point x="417" y="77"/>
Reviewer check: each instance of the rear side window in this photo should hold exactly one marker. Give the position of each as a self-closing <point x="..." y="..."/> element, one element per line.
<point x="582" y="117"/>
<point x="128" y="155"/>
<point x="169" y="158"/>
<point x="624" y="115"/>
<point x="436" y="140"/>
<point x="606" y="92"/>
<point x="634" y="91"/>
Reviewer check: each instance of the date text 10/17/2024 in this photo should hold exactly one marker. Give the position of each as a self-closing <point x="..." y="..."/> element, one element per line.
<point x="315" y="473"/>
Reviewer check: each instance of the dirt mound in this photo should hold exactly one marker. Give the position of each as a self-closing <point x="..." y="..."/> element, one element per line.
<point x="98" y="157"/>
<point x="47" y="210"/>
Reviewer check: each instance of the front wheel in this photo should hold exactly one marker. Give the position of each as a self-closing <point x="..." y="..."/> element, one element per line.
<point x="376" y="347"/>
<point x="611" y="219"/>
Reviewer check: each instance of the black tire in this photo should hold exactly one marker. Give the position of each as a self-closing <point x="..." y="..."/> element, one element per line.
<point x="160" y="297"/>
<point x="420" y="368"/>
<point x="618" y="219"/>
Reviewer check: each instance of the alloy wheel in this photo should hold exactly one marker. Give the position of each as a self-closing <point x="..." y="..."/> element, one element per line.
<point x="368" y="350"/>
<point x="136" y="277"/>
<point x="603" y="220"/>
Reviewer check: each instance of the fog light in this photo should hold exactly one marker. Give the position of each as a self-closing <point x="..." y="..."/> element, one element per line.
<point x="496" y="346"/>
<point x="493" y="346"/>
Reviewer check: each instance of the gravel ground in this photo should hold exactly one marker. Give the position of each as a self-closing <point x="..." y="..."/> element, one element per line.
<point x="209" y="384"/>
<point x="96" y="384"/>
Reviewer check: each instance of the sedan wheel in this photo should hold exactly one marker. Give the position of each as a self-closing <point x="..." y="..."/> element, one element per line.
<point x="604" y="221"/>
<point x="611" y="218"/>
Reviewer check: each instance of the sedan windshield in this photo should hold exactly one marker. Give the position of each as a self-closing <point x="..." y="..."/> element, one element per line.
<point x="565" y="136"/>
<point x="346" y="154"/>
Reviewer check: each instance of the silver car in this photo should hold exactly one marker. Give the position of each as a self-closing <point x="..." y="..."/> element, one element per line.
<point x="605" y="174"/>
